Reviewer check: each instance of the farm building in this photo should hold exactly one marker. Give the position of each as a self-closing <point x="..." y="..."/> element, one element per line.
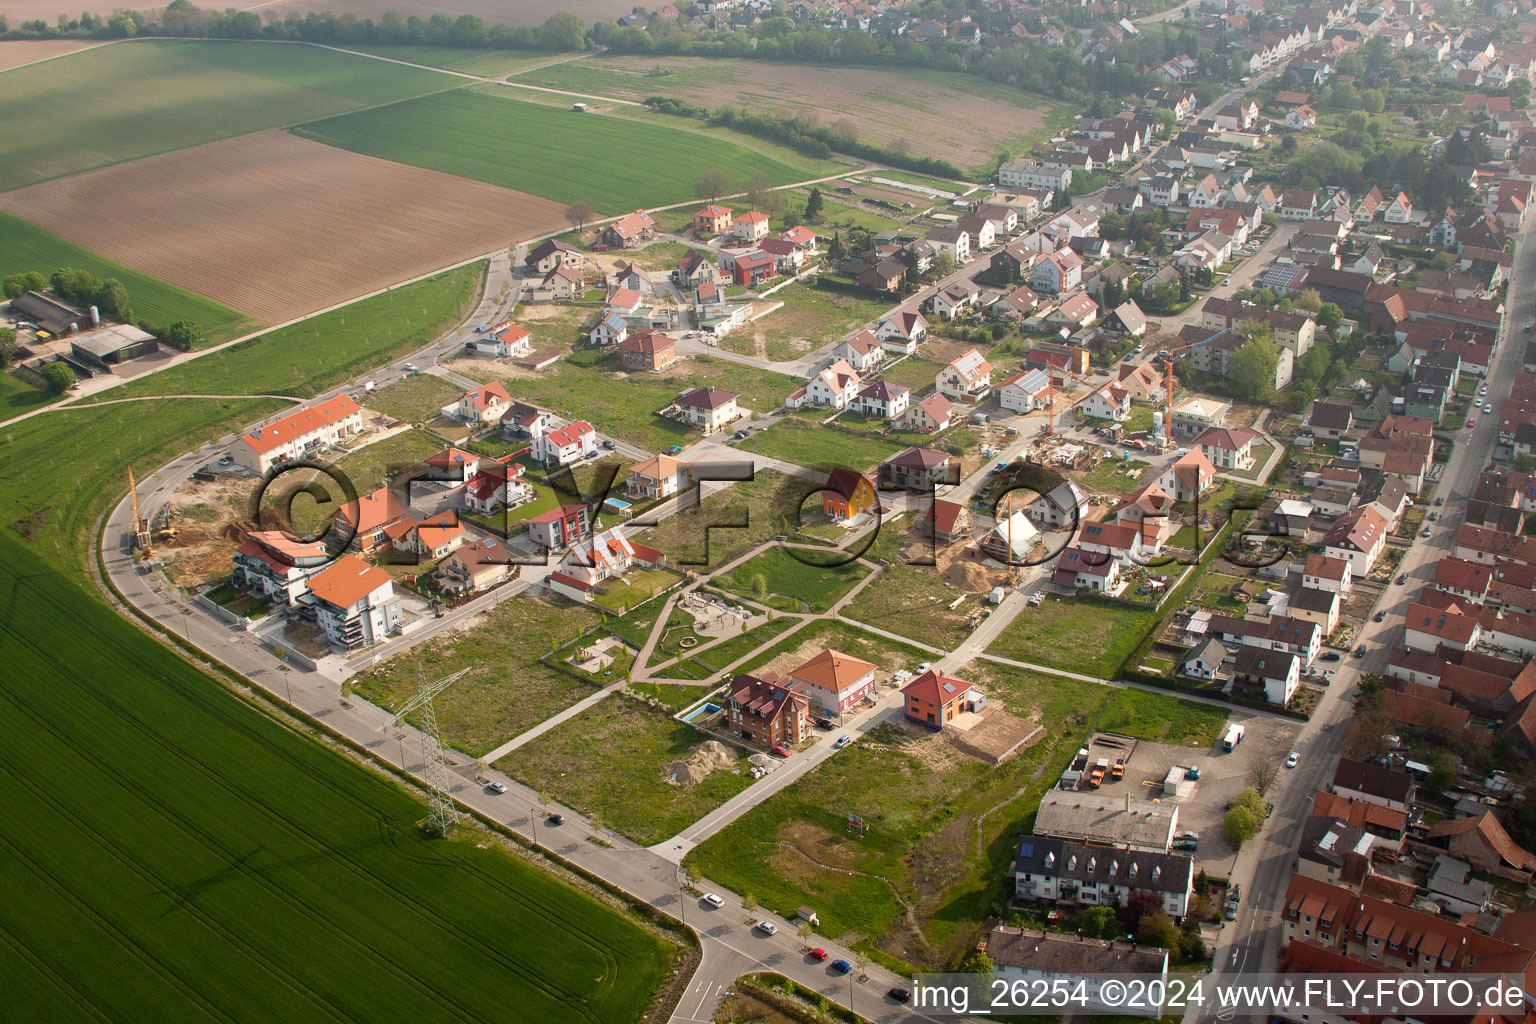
<point x="110" y="346"/>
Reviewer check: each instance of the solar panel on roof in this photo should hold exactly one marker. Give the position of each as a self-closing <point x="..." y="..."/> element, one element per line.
<point x="1026" y="849"/>
<point x="949" y="688"/>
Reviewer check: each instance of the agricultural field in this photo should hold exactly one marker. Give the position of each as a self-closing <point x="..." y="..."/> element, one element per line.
<point x="1090" y="637"/>
<point x="920" y="846"/>
<point x="175" y="835"/>
<point x="509" y="690"/>
<point x="792" y="585"/>
<point x="30" y="247"/>
<point x="307" y="358"/>
<point x="479" y="133"/>
<point x="492" y="12"/>
<point x="803" y="443"/>
<point x="940" y="114"/>
<point x="279" y="226"/>
<point x="626" y="405"/>
<point x="134" y="99"/>
<point x="27" y="51"/>
<point x="615" y="761"/>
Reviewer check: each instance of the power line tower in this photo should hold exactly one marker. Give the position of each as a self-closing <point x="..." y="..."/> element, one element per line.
<point x="441" y="813"/>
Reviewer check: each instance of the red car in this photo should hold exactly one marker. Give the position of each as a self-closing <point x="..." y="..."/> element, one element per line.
<point x="780" y="751"/>
<point x="818" y="955"/>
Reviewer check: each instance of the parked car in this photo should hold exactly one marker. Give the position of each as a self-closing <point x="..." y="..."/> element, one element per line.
<point x="226" y="460"/>
<point x="1471" y="422"/>
<point x="1434" y="517"/>
<point x="841" y="742"/>
<point x="825" y="723"/>
<point x="818" y="955"/>
<point x="1424" y="532"/>
<point x="767" y="927"/>
<point x="1440" y="500"/>
<point x="1292" y="759"/>
<point x="842" y="966"/>
<point x="1330" y="655"/>
<point x="780" y="751"/>
<point x="1487" y="407"/>
<point x="410" y="367"/>
<point x="1360" y="651"/>
<point x="714" y="900"/>
<point x="610" y="445"/>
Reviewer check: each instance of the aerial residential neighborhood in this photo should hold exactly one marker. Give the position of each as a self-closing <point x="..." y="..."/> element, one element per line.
<point x="742" y="507"/>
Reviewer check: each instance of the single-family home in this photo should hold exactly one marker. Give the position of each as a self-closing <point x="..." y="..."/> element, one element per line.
<point x="478" y="565"/>
<point x="917" y="469"/>
<point x="1358" y="538"/>
<point x="629" y="230"/>
<point x="966" y="379"/>
<point x="861" y="351"/>
<point x="750" y="227"/>
<point x="932" y="414"/>
<point x="365" y="521"/>
<point x="831" y="387"/>
<point x="935" y="699"/>
<point x="503" y="341"/>
<point x="1110" y="402"/>
<point x="1276" y="673"/>
<point x="883" y="399"/>
<point x="709" y="408"/>
<point x="713" y="219"/>
<point x="902" y="332"/>
<point x="660" y="476"/>
<point x="847" y="494"/>
<point x="561" y="528"/>
<point x="1334" y="575"/>
<point x="1229" y="448"/>
<point x="647" y="350"/>
<point x="835" y="682"/>
<point x="947" y="521"/>
<point x="1057" y="272"/>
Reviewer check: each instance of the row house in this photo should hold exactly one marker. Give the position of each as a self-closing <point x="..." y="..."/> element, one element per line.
<point x="1278" y="633"/>
<point x="1062" y="871"/>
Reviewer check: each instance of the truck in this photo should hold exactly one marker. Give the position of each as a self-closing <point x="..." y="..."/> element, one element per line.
<point x="1096" y="777"/>
<point x="1233" y="737"/>
<point x="1118" y="770"/>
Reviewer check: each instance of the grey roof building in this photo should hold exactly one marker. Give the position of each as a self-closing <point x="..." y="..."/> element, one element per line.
<point x="1106" y="820"/>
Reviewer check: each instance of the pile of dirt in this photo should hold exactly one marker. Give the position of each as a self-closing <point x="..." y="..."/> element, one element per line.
<point x="709" y="756"/>
<point x="971" y="577"/>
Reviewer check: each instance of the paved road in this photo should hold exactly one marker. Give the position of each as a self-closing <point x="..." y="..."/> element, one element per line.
<point x="1254" y="942"/>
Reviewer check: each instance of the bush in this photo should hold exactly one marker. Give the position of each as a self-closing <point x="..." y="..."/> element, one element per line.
<point x="58" y="376"/>
<point x="1245" y="817"/>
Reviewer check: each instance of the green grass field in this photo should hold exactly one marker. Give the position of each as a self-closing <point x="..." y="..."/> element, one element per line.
<point x="129" y="100"/>
<point x="803" y="443"/>
<point x="791" y="583"/>
<point x="321" y="352"/>
<point x="1076" y="635"/>
<point x="29" y="247"/>
<point x="614" y="163"/>
<point x="413" y="400"/>
<point x="1160" y="717"/>
<point x="17" y="396"/>
<point x="171" y="854"/>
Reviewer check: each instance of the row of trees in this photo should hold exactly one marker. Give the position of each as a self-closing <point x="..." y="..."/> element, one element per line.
<point x="561" y="32"/>
<point x="80" y="287"/>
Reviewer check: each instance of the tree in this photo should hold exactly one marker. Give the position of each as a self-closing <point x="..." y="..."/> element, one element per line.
<point x="112" y="300"/>
<point x="977" y="963"/>
<point x="1262" y="774"/>
<point x="759" y="586"/>
<point x="1245" y="817"/>
<point x="7" y="347"/>
<point x="15" y="284"/>
<point x="58" y="376"/>
<point x="1157" y="929"/>
<point x="1329" y="317"/>
<point x="944" y="264"/>
<point x="562" y="31"/>
<point x="1100" y="923"/>
<point x="183" y="335"/>
<point x="836" y="250"/>
<point x="578" y="215"/>
<point x="712" y="185"/>
<point x="1372" y="722"/>
<point x="1253" y="369"/>
<point x="758" y="187"/>
<point x="1443" y="771"/>
<point x="813" y="205"/>
<point x="1138" y="904"/>
<point x="1310" y="300"/>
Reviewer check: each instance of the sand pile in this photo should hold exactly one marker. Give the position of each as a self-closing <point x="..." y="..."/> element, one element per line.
<point x="709" y="756"/>
<point x="971" y="577"/>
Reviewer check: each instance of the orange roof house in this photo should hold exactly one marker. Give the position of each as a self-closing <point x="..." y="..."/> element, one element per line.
<point x="713" y="219"/>
<point x="847" y="494"/>
<point x="835" y="681"/>
<point x="367" y="519"/>
<point x="934" y="699"/>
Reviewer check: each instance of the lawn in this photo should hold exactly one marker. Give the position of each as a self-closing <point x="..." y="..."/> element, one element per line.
<point x="1112" y="476"/>
<point x="508" y="689"/>
<point x="803" y="443"/>
<point x="802" y="645"/>
<point x="1164" y="718"/>
<point x="17" y="396"/>
<point x="134" y="99"/>
<point x="635" y="588"/>
<point x="913" y="372"/>
<point x="724" y="654"/>
<point x="413" y="400"/>
<point x="818" y="316"/>
<point x="800" y="587"/>
<point x="1075" y="634"/>
<point x="29" y="247"/>
<point x="921" y="801"/>
<point x="482" y="133"/>
<point x="611" y="762"/>
<point x="372" y="465"/>
<point x="323" y="351"/>
<point x="626" y="406"/>
<point x="172" y="854"/>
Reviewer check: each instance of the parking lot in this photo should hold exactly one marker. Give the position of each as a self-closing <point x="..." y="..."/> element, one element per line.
<point x="1222" y="777"/>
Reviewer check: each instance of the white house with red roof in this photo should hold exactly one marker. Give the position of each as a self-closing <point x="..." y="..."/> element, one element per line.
<point x="483" y="404"/>
<point x="932" y="414"/>
<point x="274" y="566"/>
<point x="1058" y="272"/>
<point x="524" y="420"/>
<point x="1120" y="541"/>
<point x="565" y="445"/>
<point x="1078" y="568"/>
<point x="1024" y="392"/>
<point x="629" y="230"/>
<point x="606" y="555"/>
<point x="353" y="603"/>
<point x="503" y="341"/>
<point x="1427" y="628"/>
<point x="802" y="237"/>
<point x="831" y="387"/>
<point x="1190" y="476"/>
<point x="862" y="351"/>
<point x="750" y="226"/>
<point x="428" y="539"/>
<point x="967" y="379"/>
<point x="834" y="682"/>
<point x="1110" y="402"/>
<point x="298" y="435"/>
<point x="1229" y="447"/>
<point x="560" y="528"/>
<point x="453" y="466"/>
<point x="367" y="519"/>
<point x="709" y="408"/>
<point x="883" y="399"/>
<point x="659" y="476"/>
<point x="902" y="332"/>
<point x="496" y="485"/>
<point x="1358" y="538"/>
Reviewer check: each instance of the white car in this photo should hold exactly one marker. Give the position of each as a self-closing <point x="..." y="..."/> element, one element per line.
<point x="1487" y="407"/>
<point x="714" y="900"/>
<point x="766" y="927"/>
<point x="842" y="741"/>
<point x="1291" y="759"/>
<point x="411" y="367"/>
<point x="496" y="787"/>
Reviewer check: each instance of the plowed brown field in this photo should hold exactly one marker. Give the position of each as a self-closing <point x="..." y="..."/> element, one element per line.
<point x="278" y="226"/>
<point x="17" y="52"/>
